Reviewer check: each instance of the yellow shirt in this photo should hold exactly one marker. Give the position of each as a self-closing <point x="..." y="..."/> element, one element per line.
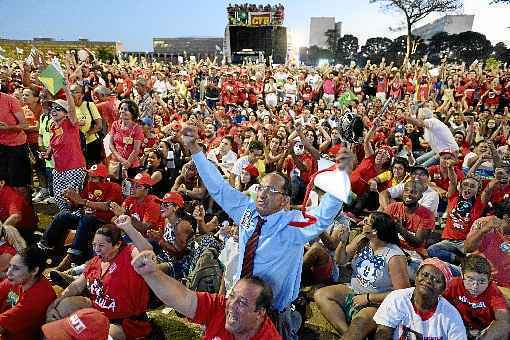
<point x="85" y="119"/>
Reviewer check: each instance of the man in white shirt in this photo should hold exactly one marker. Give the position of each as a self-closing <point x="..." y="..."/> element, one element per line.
<point x="430" y="198"/>
<point x="421" y="312"/>
<point x="436" y="134"/>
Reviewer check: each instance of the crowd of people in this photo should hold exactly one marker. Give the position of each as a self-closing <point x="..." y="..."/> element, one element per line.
<point x="192" y="186"/>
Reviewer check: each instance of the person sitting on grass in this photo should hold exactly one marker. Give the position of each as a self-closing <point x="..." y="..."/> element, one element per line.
<point x="421" y="312"/>
<point x="378" y="267"/>
<point x="479" y="301"/>
<point x="241" y="315"/>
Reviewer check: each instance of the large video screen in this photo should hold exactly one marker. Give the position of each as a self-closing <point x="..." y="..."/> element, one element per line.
<point x="272" y="40"/>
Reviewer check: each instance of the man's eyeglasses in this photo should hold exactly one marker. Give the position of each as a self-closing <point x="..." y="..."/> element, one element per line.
<point x="471" y="282"/>
<point x="268" y="189"/>
<point x="168" y="205"/>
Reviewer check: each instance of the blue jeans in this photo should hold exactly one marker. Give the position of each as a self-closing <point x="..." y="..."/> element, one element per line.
<point x="447" y="250"/>
<point x="85" y="226"/>
<point x="428" y="159"/>
<point x="49" y="179"/>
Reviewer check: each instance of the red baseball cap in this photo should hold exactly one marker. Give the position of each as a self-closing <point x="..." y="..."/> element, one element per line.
<point x="252" y="170"/>
<point x="143" y="179"/>
<point x="172" y="197"/>
<point x="85" y="324"/>
<point x="98" y="170"/>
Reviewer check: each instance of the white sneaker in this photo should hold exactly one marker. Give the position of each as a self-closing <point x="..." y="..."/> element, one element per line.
<point x="41" y="195"/>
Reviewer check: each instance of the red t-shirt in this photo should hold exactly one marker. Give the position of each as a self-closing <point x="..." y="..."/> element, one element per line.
<point x="495" y="246"/>
<point x="476" y="311"/>
<point x="124" y="139"/>
<point x="443" y="182"/>
<point x="102" y="192"/>
<point x="308" y="161"/>
<point x="32" y="119"/>
<point x="146" y="211"/>
<point x="108" y="110"/>
<point x="120" y="292"/>
<point x="362" y="174"/>
<point x="65" y="146"/>
<point x="499" y="193"/>
<point x="23" y="313"/>
<point x="461" y="216"/>
<point x="211" y="313"/>
<point x="12" y="202"/>
<point x="8" y="107"/>
<point x="421" y="218"/>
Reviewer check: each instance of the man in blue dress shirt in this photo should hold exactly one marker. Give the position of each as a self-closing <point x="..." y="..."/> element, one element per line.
<point x="278" y="258"/>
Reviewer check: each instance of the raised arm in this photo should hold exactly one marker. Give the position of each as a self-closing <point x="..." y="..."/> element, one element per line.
<point x="367" y="145"/>
<point x="232" y="201"/>
<point x="70" y="101"/>
<point x="173" y="293"/>
<point x="328" y="208"/>
<point x="123" y="222"/>
<point x="452" y="176"/>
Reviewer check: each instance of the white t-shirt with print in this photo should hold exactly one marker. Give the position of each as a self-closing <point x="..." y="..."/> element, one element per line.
<point x="397" y="312"/>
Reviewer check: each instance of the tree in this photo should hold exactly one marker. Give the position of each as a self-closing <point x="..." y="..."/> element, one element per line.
<point x="346" y="49"/>
<point x="439" y="47"/>
<point x="469" y="46"/>
<point x="397" y="50"/>
<point x="499" y="50"/>
<point x="416" y="10"/>
<point x="375" y="49"/>
<point x="332" y="39"/>
<point x="104" y="55"/>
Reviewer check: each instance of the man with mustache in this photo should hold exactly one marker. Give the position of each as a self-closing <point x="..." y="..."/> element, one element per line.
<point x="241" y="315"/>
<point x="271" y="238"/>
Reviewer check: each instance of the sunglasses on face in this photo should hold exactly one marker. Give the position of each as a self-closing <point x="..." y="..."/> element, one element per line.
<point x="56" y="108"/>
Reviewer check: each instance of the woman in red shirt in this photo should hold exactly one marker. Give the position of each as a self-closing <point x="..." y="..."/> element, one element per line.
<point x="32" y="111"/>
<point x="65" y="148"/>
<point x="126" y="141"/>
<point x="111" y="283"/>
<point x="24" y="296"/>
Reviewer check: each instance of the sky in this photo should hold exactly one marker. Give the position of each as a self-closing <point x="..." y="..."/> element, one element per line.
<point x="136" y="22"/>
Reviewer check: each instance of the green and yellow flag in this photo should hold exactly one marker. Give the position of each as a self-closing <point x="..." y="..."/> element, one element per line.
<point x="346" y="98"/>
<point x="52" y="79"/>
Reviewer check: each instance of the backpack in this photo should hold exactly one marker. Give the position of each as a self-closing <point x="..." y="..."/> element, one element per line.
<point x="207" y="274"/>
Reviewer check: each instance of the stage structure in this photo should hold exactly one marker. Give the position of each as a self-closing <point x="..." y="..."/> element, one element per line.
<point x="255" y="32"/>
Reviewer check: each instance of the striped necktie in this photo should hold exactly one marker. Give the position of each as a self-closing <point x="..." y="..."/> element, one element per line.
<point x="249" y="250"/>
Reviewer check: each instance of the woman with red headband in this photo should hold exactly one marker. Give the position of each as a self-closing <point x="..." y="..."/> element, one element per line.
<point x="421" y="312"/>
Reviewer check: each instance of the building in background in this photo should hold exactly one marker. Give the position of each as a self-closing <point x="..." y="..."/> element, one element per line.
<point x="200" y="47"/>
<point x="318" y="28"/>
<point x="451" y="24"/>
<point x="21" y="48"/>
